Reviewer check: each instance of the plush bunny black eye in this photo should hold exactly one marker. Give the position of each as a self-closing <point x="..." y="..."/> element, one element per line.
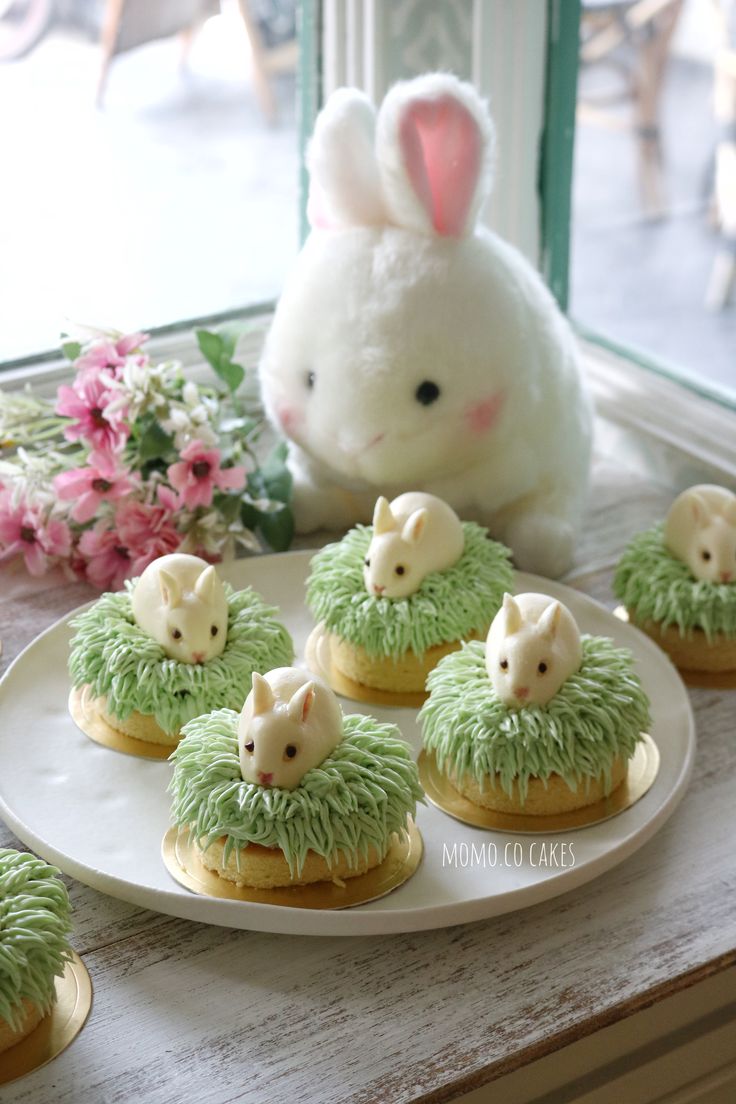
<point x="214" y="630"/>
<point x="250" y="746"/>
<point x="289" y="751"/>
<point x="427" y="392"/>
<point x="309" y="380"/>
<point x="400" y="569"/>
<point x="542" y="668"/>
<point x="176" y="633"/>
<point x="504" y="665"/>
<point x="705" y="554"/>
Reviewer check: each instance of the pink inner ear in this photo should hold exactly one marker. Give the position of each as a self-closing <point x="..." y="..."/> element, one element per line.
<point x="441" y="144"/>
<point x="317" y="209"/>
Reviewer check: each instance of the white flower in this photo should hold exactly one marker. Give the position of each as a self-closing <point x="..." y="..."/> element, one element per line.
<point x="29" y="477"/>
<point x="18" y="409"/>
<point x="143" y="386"/>
<point x="189" y="421"/>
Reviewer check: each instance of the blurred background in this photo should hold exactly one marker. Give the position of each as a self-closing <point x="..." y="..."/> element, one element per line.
<point x="150" y="169"/>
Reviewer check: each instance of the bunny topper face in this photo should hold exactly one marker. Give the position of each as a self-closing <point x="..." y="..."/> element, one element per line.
<point x="390" y="568"/>
<point x="397" y="363"/>
<point x="710" y="550"/>
<point x="533" y="647"/>
<point x="195" y="620"/>
<point x="289" y="724"/>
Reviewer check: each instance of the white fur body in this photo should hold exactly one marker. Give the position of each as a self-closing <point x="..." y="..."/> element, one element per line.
<point x="374" y="309"/>
<point x="290" y="722"/>
<point x="179" y="600"/>
<point x="412" y="536"/>
<point x="700" y="530"/>
<point x="533" y="647"/>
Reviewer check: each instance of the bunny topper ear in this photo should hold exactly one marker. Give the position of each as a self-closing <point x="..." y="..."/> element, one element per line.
<point x="383" y="519"/>
<point x="729" y="512"/>
<point x="345" y="189"/>
<point x="301" y="703"/>
<point x="698" y="507"/>
<point x="549" y="621"/>
<point x="434" y="144"/>
<point x="414" y="526"/>
<point x="262" y="695"/>
<point x="513" y="614"/>
<point x="205" y="585"/>
<point x="170" y="589"/>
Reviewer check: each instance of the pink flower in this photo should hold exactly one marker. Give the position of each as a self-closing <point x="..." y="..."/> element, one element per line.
<point x="198" y="473"/>
<point x="108" y="561"/>
<point x="101" y="481"/>
<point x="108" y="355"/>
<point x="146" y="531"/>
<point x="87" y="402"/>
<point x="25" y="531"/>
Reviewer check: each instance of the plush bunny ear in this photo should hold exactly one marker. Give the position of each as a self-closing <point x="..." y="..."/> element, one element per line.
<point x="301" y="702"/>
<point x="262" y="695"/>
<point x="170" y="589"/>
<point x="205" y="585"/>
<point x="344" y="188"/>
<point x="434" y="145"/>
<point x="383" y="519"/>
<point x="513" y="614"/>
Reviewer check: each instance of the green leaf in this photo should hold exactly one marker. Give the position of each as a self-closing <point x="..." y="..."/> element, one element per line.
<point x="218" y="349"/>
<point x="277" y="529"/>
<point x="155" y="442"/>
<point x="230" y="373"/>
<point x="275" y="475"/>
<point x="71" y="349"/>
<point x="210" y="346"/>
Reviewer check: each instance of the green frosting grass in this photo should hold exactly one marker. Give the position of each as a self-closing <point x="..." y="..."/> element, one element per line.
<point x="355" y="800"/>
<point x="655" y="586"/>
<point x="597" y="715"/>
<point x="34" y="925"/>
<point x="124" y="664"/>
<point x="449" y="605"/>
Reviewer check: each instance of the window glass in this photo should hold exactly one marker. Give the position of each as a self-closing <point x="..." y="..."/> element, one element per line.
<point x="156" y="187"/>
<point x="654" y="202"/>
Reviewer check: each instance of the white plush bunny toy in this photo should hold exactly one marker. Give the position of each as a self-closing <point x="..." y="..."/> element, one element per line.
<point x="412" y="349"/>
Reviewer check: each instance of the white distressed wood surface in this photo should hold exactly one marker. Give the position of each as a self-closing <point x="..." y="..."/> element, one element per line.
<point x="186" y="1012"/>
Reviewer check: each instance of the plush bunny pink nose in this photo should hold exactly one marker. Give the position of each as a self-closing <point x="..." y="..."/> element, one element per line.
<point x="198" y="657"/>
<point x="264" y="778"/>
<point x="378" y="589"/>
<point x="521" y="692"/>
<point x="725" y="576"/>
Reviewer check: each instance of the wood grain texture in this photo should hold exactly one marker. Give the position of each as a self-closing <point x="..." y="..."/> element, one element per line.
<point x="190" y="1012"/>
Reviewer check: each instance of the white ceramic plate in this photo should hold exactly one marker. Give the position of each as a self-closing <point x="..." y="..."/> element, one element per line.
<point x="101" y="815"/>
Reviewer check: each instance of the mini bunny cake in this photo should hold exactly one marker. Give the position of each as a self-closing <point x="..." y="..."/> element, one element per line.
<point x="290" y="792"/>
<point x="536" y="720"/>
<point x="178" y="642"/>
<point x="398" y="596"/>
<point x="677" y="580"/>
<point x="34" y="942"/>
<point x="413" y="348"/>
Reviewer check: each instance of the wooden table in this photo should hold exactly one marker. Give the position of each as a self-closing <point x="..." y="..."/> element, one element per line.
<point x="186" y="1012"/>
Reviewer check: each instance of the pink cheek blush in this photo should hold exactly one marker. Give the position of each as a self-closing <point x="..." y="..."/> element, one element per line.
<point x="481" y="417"/>
<point x="289" y="419"/>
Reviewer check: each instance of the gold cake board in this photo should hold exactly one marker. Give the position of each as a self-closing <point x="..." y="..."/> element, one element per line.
<point x="698" y="680"/>
<point x="87" y="715"/>
<point x="318" y="658"/>
<point x="181" y="858"/>
<point x="643" y="769"/>
<point x="55" y="1031"/>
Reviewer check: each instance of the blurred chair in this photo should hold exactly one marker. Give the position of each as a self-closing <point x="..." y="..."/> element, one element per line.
<point x="723" y="273"/>
<point x="633" y="38"/>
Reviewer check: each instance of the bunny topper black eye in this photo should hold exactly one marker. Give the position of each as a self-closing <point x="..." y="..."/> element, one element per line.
<point x="250" y="745"/>
<point x="367" y="561"/>
<point x="504" y="665"/>
<point x="309" y="380"/>
<point x="542" y="668"/>
<point x="290" y="751"/>
<point x="427" y="392"/>
<point x="214" y="630"/>
<point x="176" y="633"/>
<point x="705" y="554"/>
<point x="400" y="569"/>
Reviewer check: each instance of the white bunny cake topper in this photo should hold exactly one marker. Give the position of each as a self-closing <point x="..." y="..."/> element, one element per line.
<point x="290" y="722"/>
<point x="533" y="647"/>
<point x="414" y="349"/>
<point x="700" y="530"/>
<point x="412" y="536"/>
<point x="180" y="601"/>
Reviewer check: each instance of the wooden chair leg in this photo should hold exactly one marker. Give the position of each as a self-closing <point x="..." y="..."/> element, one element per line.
<point x="651" y="67"/>
<point x="261" y="82"/>
<point x="108" y="42"/>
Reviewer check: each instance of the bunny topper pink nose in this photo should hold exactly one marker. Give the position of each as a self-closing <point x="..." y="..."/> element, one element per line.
<point x="198" y="657"/>
<point x="378" y="589"/>
<point x="265" y="778"/>
<point x="725" y="576"/>
<point x="521" y="692"/>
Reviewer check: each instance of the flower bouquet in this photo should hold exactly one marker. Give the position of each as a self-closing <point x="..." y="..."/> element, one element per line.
<point x="133" y="461"/>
